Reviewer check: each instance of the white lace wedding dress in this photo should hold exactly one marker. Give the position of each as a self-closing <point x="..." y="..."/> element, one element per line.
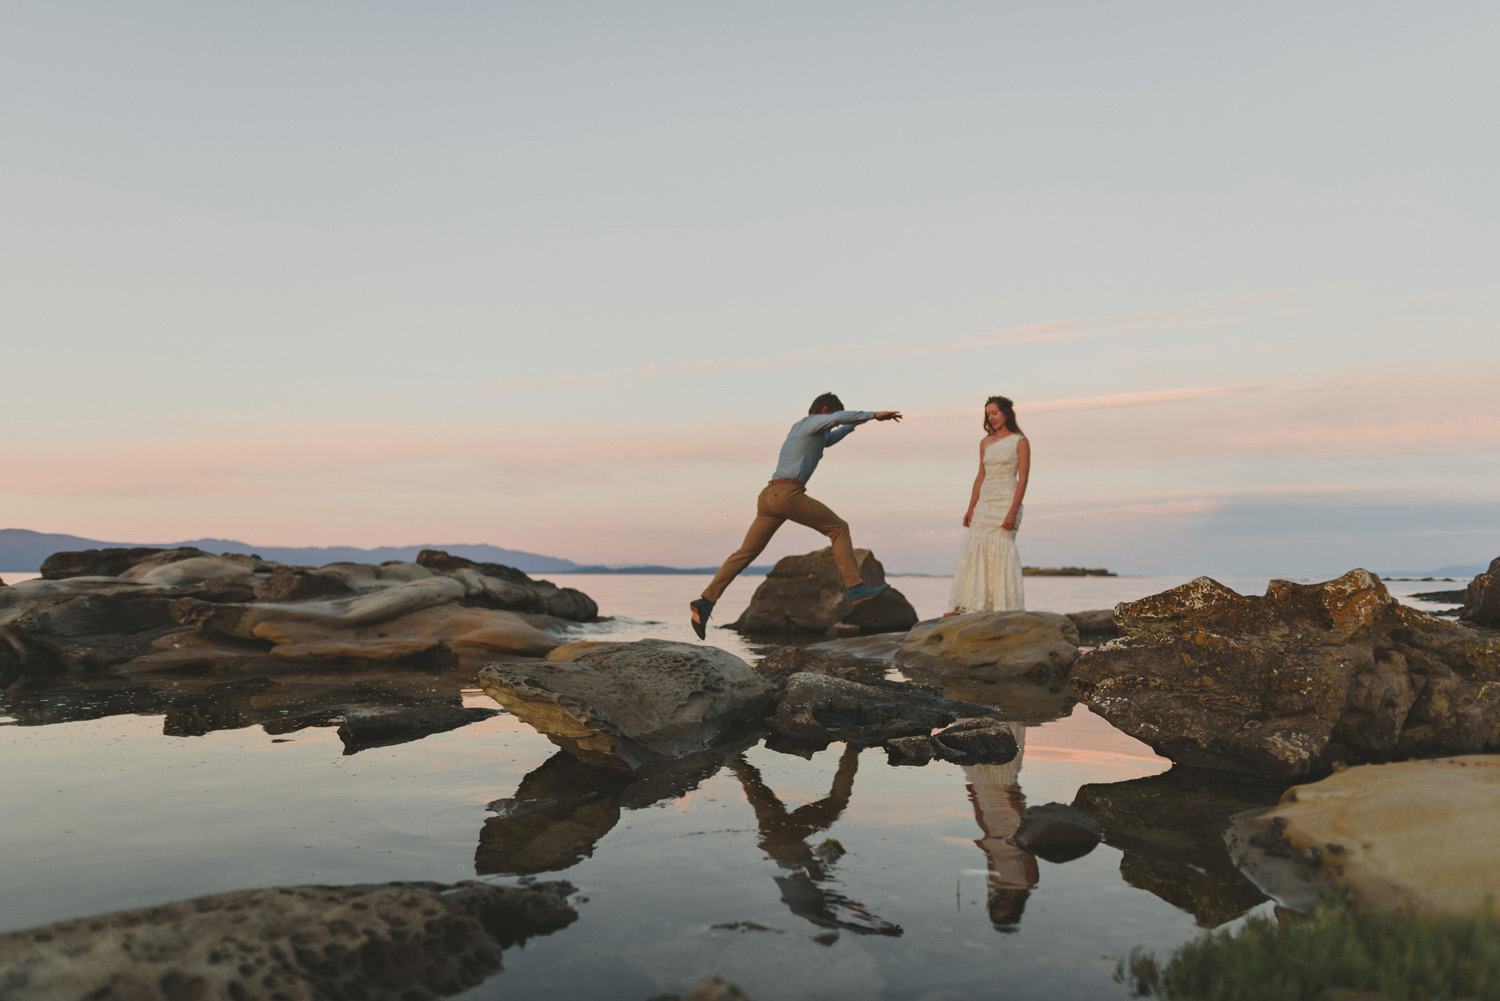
<point x="987" y="573"/>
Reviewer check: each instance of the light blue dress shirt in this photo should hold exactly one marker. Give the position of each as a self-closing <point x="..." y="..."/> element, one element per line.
<point x="808" y="437"/>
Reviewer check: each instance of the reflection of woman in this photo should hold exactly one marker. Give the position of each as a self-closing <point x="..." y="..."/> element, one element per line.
<point x="995" y="791"/>
<point x="987" y="573"/>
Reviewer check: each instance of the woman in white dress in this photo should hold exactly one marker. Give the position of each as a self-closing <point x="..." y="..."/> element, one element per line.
<point x="987" y="574"/>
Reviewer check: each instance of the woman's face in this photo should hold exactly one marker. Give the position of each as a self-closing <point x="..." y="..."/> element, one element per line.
<point x="993" y="417"/>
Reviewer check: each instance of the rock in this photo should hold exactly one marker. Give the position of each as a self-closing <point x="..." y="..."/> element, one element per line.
<point x="572" y="651"/>
<point x="805" y="594"/>
<point x="286" y="583"/>
<point x="508" y="588"/>
<point x="628" y="705"/>
<point x="106" y="562"/>
<point x="1289" y="684"/>
<point x="383" y="942"/>
<point x="1482" y="597"/>
<point x="1057" y="832"/>
<point x="816" y="709"/>
<point x="716" y="989"/>
<point x="364" y="727"/>
<point x="993" y="645"/>
<point x="1170" y="829"/>
<point x="1095" y="625"/>
<point x="1416" y="834"/>
<point x="980" y="741"/>
<point x="785" y="661"/>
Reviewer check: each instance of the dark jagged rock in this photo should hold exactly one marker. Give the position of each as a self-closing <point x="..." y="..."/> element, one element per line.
<point x="1170" y="828"/>
<point x="382" y="942"/>
<point x="785" y="661"/>
<point x="1057" y="832"/>
<point x="1482" y="597"/>
<point x="107" y="562"/>
<point x="364" y="727"/>
<point x="629" y="705"/>
<point x="1292" y="683"/>
<point x="981" y="741"/>
<point x="815" y="710"/>
<point x="805" y="594"/>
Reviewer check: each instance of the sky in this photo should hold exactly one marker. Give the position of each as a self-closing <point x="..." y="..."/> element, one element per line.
<point x="558" y="277"/>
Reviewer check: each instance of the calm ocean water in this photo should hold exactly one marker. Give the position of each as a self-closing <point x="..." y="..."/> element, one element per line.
<point x="118" y="797"/>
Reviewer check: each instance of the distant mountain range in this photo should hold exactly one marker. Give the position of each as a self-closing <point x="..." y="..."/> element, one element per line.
<point x="22" y="551"/>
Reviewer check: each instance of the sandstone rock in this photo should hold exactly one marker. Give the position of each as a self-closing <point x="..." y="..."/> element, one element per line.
<point x="509" y="588"/>
<point x="993" y="645"/>
<point x="1057" y="832"/>
<point x="629" y="705"/>
<point x="1288" y="684"/>
<point x="386" y="942"/>
<point x="1095" y="625"/>
<point x="572" y="651"/>
<point x="1170" y="829"/>
<point x="805" y="594"/>
<point x="1482" y="597"/>
<point x="1414" y="834"/>
<point x="106" y="562"/>
<point x="816" y="709"/>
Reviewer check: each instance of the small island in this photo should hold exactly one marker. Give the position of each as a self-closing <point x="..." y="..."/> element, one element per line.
<point x="1066" y="572"/>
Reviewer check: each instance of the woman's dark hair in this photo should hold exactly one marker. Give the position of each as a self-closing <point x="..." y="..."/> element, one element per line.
<point x="1007" y="410"/>
<point x="826" y="400"/>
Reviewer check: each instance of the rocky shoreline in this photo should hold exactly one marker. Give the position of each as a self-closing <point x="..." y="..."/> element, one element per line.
<point x="1265" y="705"/>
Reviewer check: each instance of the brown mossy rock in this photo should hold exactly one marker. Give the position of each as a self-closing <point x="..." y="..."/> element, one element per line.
<point x="1482" y="597"/>
<point x="993" y="645"/>
<point x="1289" y="684"/>
<point x="385" y="942"/>
<point x="805" y="594"/>
<point x="631" y="705"/>
<point x="1410" y="834"/>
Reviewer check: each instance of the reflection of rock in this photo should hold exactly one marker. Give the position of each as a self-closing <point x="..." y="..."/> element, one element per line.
<point x="364" y="727"/>
<point x="817" y="709"/>
<point x="183" y="610"/>
<point x="384" y="942"/>
<point x="1414" y="834"/>
<point x="1057" y="832"/>
<point x="1170" y="828"/>
<point x="981" y="741"/>
<point x="627" y="705"/>
<point x="1482" y="597"/>
<point x="806" y="594"/>
<point x="993" y="645"/>
<point x="1290" y="683"/>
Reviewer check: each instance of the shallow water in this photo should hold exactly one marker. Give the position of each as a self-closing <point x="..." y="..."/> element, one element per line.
<point x="117" y="797"/>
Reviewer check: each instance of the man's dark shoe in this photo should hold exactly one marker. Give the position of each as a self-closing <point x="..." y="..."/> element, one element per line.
<point x="860" y="593"/>
<point x="701" y="608"/>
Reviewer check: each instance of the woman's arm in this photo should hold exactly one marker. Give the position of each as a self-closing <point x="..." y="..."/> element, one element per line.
<point x="974" y="494"/>
<point x="1023" y="474"/>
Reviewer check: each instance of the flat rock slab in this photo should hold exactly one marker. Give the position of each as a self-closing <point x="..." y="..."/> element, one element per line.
<point x="629" y="705"/>
<point x="993" y="645"/>
<point x="1411" y="833"/>
<point x="384" y="942"/>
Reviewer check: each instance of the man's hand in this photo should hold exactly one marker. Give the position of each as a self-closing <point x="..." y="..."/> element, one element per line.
<point x="888" y="415"/>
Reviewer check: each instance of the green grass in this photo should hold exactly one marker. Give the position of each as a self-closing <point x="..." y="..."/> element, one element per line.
<point x="1332" y="953"/>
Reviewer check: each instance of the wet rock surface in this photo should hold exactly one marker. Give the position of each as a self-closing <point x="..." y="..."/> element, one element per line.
<point x="1482" y="597"/>
<point x="187" y="612"/>
<point x="1289" y="684"/>
<point x="1170" y="830"/>
<point x="382" y="942"/>
<point x="993" y="645"/>
<point x="365" y="727"/>
<point x="814" y="710"/>
<point x="628" y="705"/>
<point x="1416" y="834"/>
<point x="1057" y="832"/>
<point x="981" y="741"/>
<point x="805" y="594"/>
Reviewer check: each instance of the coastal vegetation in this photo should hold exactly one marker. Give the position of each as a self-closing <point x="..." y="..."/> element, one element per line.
<point x="1334" y="952"/>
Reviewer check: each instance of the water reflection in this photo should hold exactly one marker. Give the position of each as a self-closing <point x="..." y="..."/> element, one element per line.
<point x="995" y="793"/>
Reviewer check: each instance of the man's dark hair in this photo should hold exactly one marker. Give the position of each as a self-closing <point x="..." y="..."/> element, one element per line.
<point x="828" y="401"/>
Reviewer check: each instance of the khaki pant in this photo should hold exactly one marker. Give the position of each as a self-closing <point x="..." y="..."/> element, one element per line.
<point x="778" y="503"/>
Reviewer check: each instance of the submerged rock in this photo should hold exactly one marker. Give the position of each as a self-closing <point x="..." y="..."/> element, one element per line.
<point x="805" y="594"/>
<point x="993" y="645"/>
<point x="1416" y="834"/>
<point x="1482" y="597"/>
<point x="381" y="942"/>
<point x="1289" y="684"/>
<point x="628" y="705"/>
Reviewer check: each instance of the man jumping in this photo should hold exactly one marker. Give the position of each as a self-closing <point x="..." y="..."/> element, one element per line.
<point x="785" y="497"/>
